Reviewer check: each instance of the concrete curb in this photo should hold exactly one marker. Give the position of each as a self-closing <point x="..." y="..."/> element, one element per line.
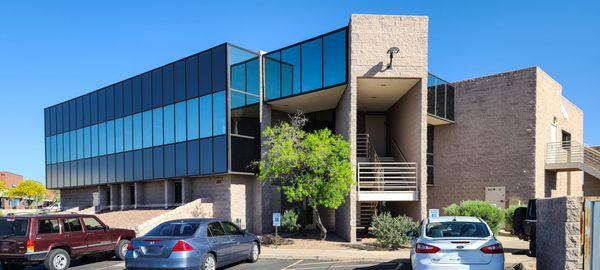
<point x="334" y="255"/>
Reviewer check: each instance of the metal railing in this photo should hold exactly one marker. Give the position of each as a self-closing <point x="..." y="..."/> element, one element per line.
<point x="387" y="176"/>
<point x="572" y="152"/>
<point x="365" y="148"/>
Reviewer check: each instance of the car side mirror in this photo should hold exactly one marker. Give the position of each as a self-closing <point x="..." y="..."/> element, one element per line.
<point x="106" y="227"/>
<point x="411" y="234"/>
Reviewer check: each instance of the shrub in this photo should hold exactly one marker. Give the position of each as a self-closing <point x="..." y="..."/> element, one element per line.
<point x="491" y="214"/>
<point x="390" y="232"/>
<point x="289" y="221"/>
<point x="508" y="216"/>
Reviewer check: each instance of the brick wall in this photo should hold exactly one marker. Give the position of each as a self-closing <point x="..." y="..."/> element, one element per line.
<point x="10" y="179"/>
<point x="558" y="233"/>
<point x="492" y="142"/>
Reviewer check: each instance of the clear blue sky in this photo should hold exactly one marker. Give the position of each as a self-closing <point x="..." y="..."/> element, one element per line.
<point x="51" y="51"/>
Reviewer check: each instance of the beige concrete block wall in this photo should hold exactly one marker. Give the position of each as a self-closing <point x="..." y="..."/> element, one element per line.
<point x="80" y="198"/>
<point x="154" y="193"/>
<point x="370" y="38"/>
<point x="558" y="233"/>
<point x="492" y="142"/>
<point x="549" y="99"/>
<point x="242" y="203"/>
<point x="216" y="190"/>
<point x="591" y="186"/>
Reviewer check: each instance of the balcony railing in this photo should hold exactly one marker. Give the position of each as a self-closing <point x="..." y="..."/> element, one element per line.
<point x="572" y="155"/>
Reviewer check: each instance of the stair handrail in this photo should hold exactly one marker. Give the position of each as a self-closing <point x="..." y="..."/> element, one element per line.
<point x="397" y="148"/>
<point x="591" y="157"/>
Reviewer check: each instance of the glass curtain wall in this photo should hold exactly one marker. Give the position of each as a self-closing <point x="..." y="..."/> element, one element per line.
<point x="440" y="98"/>
<point x="244" y="97"/>
<point x="311" y="65"/>
<point x="169" y="122"/>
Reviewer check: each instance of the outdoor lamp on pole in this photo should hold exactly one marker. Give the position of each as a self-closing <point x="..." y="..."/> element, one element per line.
<point x="391" y="51"/>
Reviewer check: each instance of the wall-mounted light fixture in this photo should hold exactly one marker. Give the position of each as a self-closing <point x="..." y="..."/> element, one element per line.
<point x="391" y="51"/>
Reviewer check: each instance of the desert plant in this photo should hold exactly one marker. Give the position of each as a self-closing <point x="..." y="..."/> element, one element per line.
<point x="390" y="232"/>
<point x="289" y="221"/>
<point x="508" y="216"/>
<point x="491" y="214"/>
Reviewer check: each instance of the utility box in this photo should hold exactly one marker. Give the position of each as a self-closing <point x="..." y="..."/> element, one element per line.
<point x="496" y="196"/>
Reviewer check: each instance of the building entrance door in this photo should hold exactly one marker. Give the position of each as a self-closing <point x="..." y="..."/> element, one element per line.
<point x="375" y="126"/>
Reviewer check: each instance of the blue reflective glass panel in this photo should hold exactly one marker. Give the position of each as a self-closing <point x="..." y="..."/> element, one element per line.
<point x="192" y="119"/>
<point x="80" y="143"/>
<point x="119" y="135"/>
<point x="128" y="133"/>
<point x="191" y="77"/>
<point x="66" y="144"/>
<point x="157" y="126"/>
<point x="137" y="131"/>
<point x="59" y="148"/>
<point x="334" y="58"/>
<point x="127" y="97"/>
<point x="102" y="167"/>
<point x="219" y="68"/>
<point x="179" y="76"/>
<point x="219" y="113"/>
<point x="110" y="168"/>
<point x="102" y="105"/>
<point x="169" y="157"/>
<point x="94" y="108"/>
<point x="157" y="157"/>
<point x="253" y="77"/>
<point x="168" y="84"/>
<point x="180" y="122"/>
<point x="119" y="167"/>
<point x="138" y="165"/>
<point x="48" y="150"/>
<point x="238" y="77"/>
<point x="205" y="116"/>
<point x="148" y="170"/>
<point x="73" y="147"/>
<point x="146" y="91"/>
<point x="312" y="69"/>
<point x="204" y="73"/>
<point x="157" y="87"/>
<point x="94" y="134"/>
<point x="118" y="100"/>
<point x="136" y="96"/>
<point x="110" y="137"/>
<point x="87" y="144"/>
<point x="147" y="128"/>
<point x="193" y="157"/>
<point x="180" y="159"/>
<point x="220" y="154"/>
<point x="290" y="65"/>
<point x="206" y="164"/>
<point x="169" y="122"/>
<point x="273" y="76"/>
<point x="102" y="139"/>
<point x="128" y="167"/>
<point x="110" y="103"/>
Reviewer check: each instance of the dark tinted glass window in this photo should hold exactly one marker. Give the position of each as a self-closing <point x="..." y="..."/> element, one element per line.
<point x="169" y="155"/>
<point x="95" y="171"/>
<point x="231" y="229"/>
<point x="94" y="108"/>
<point x="138" y="164"/>
<point x="80" y="174"/>
<point x="193" y="157"/>
<point x="179" y="75"/>
<point x="334" y="58"/>
<point x="102" y="169"/>
<point x="168" y="84"/>
<point x="47" y="121"/>
<point x="53" y="120"/>
<point x="204" y="73"/>
<point x="87" y="173"/>
<point x="59" y="117"/>
<point x="273" y="76"/>
<point x="136" y="89"/>
<point x="72" y="115"/>
<point x="13" y="226"/>
<point x="72" y="225"/>
<point x="110" y="103"/>
<point x="206" y="156"/>
<point x="157" y="85"/>
<point x="450" y="102"/>
<point x="158" y="162"/>
<point x="110" y="168"/>
<point x="180" y="159"/>
<point x="174" y="229"/>
<point x="127" y="97"/>
<point x="191" y="76"/>
<point x="220" y="154"/>
<point x="128" y="166"/>
<point x="86" y="110"/>
<point x="119" y="167"/>
<point x="79" y="110"/>
<point x="215" y="229"/>
<point x="312" y="69"/>
<point x="118" y="100"/>
<point x="219" y="68"/>
<point x="146" y="91"/>
<point x="92" y="224"/>
<point x="102" y="105"/>
<point x="148" y="170"/>
<point x="65" y="117"/>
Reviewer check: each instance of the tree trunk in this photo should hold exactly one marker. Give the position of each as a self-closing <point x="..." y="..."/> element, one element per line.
<point x="320" y="224"/>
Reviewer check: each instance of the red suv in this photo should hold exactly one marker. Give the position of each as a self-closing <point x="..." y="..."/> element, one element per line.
<point x="53" y="239"/>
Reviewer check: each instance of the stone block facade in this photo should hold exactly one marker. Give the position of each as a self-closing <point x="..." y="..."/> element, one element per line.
<point x="559" y="233"/>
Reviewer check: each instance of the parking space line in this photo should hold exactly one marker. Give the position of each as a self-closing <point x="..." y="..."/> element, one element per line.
<point x="287" y="267"/>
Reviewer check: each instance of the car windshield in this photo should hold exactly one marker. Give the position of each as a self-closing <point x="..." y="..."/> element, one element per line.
<point x="174" y="229"/>
<point x="456" y="229"/>
<point x="13" y="227"/>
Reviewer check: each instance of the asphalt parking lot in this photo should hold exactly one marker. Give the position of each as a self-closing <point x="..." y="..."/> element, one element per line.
<point x="263" y="264"/>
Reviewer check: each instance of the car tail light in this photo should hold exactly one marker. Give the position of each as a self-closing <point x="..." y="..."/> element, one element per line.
<point x="130" y="246"/>
<point x="423" y="248"/>
<point x="30" y="245"/>
<point x="182" y="246"/>
<point x="493" y="249"/>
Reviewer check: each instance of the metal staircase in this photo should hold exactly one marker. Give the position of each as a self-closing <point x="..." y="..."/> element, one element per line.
<point x="573" y="156"/>
<point x="381" y="179"/>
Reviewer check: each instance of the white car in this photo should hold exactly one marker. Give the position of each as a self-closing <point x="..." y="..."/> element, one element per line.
<point x="455" y="243"/>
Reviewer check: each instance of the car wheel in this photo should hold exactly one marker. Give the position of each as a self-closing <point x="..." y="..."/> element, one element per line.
<point x="57" y="259"/>
<point x="254" y="253"/>
<point x="209" y="262"/>
<point x="121" y="249"/>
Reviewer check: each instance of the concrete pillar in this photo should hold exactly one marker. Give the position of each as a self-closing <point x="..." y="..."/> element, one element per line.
<point x="102" y="198"/>
<point x="126" y="196"/>
<point x="115" y="197"/>
<point x="139" y="195"/>
<point x="186" y="190"/>
<point x="169" y="193"/>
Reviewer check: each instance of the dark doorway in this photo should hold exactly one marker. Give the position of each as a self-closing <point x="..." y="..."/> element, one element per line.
<point x="108" y="196"/>
<point x="566" y="136"/>
<point x="178" y="192"/>
<point x="132" y="194"/>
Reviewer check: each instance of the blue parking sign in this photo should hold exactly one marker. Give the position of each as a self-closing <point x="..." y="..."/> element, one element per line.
<point x="276" y="219"/>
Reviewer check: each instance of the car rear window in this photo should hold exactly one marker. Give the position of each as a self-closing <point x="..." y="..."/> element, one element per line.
<point x="174" y="229"/>
<point x="13" y="227"/>
<point x="456" y="229"/>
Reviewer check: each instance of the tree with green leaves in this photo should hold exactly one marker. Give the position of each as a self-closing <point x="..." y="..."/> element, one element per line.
<point x="3" y="187"/>
<point x="28" y="189"/>
<point x="312" y="166"/>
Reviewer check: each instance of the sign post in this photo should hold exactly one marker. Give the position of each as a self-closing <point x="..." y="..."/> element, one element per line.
<point x="276" y="223"/>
